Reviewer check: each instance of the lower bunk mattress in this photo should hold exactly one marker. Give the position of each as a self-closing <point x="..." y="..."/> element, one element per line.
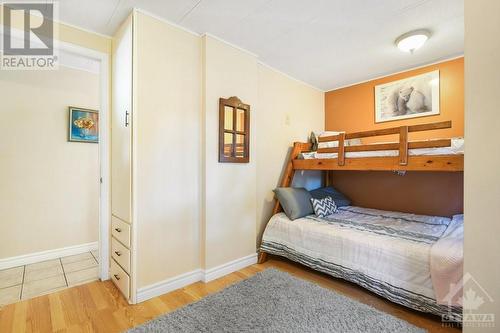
<point x="385" y="252"/>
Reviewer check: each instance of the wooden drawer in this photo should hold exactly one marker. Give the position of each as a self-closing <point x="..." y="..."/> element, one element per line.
<point x="121" y="231"/>
<point x="121" y="254"/>
<point x="120" y="279"/>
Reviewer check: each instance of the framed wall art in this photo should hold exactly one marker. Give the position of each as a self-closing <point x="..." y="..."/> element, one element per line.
<point x="416" y="96"/>
<point x="83" y="125"/>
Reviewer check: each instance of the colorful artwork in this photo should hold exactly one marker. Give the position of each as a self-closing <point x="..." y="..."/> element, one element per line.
<point x="83" y="125"/>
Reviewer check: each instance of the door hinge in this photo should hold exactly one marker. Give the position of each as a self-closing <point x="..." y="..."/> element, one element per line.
<point x="100" y="180"/>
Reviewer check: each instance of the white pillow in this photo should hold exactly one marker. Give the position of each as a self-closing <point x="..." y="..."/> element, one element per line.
<point x="328" y="144"/>
<point x="334" y="144"/>
<point x="353" y="142"/>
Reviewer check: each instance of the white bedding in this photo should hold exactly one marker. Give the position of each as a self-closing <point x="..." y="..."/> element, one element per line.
<point x="456" y="148"/>
<point x="386" y="252"/>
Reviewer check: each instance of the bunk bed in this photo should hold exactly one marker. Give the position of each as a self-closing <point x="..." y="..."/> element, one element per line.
<point x="405" y="253"/>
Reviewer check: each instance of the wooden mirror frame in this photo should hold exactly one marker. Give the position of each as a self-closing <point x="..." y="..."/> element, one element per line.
<point x="235" y="103"/>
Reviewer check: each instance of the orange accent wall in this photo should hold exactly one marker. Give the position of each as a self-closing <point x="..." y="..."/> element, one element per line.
<point x="427" y="193"/>
<point x="352" y="109"/>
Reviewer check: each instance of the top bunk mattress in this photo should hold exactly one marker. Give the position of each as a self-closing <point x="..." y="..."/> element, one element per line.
<point x="456" y="148"/>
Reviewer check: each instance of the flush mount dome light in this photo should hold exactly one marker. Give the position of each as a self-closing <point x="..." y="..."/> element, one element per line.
<point x="412" y="40"/>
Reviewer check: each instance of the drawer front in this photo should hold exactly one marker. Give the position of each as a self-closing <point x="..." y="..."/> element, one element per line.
<point x="121" y="254"/>
<point x="121" y="231"/>
<point x="120" y="279"/>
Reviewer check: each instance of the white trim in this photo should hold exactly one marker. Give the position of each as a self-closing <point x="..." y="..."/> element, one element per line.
<point x="32" y="258"/>
<point x="164" y="20"/>
<point x="105" y="165"/>
<point x="239" y="48"/>
<point x="228" y="268"/>
<point x="76" y="61"/>
<point x="69" y="59"/>
<point x="290" y="77"/>
<point x="180" y="281"/>
<point x="168" y="285"/>
<point x="461" y="55"/>
<point x="134" y="154"/>
<point x="104" y="150"/>
<point x="84" y="29"/>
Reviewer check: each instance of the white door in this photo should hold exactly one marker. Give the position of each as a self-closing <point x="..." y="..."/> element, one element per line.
<point x="121" y="125"/>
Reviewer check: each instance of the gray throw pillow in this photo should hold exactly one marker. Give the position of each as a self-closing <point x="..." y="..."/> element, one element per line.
<point x="323" y="192"/>
<point x="296" y="202"/>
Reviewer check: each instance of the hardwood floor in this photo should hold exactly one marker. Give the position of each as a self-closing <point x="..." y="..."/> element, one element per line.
<point x="99" y="307"/>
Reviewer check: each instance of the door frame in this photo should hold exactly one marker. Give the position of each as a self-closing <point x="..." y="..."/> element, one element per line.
<point x="104" y="149"/>
<point x="104" y="141"/>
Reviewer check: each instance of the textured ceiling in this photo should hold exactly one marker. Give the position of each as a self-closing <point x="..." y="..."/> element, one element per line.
<point x="326" y="43"/>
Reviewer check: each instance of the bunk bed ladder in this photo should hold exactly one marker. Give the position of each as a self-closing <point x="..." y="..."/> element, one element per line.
<point x="286" y="181"/>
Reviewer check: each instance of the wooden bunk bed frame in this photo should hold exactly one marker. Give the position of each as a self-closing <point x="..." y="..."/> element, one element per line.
<point x="402" y="162"/>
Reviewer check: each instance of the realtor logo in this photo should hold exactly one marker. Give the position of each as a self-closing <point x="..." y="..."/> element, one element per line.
<point x="471" y="296"/>
<point x="28" y="36"/>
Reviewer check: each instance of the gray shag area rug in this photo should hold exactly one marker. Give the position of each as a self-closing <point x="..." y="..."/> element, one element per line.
<point x="274" y="301"/>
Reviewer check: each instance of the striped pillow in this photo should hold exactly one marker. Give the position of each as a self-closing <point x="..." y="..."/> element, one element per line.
<point x="324" y="207"/>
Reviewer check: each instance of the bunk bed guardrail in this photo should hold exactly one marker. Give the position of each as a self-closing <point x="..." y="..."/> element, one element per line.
<point x="402" y="146"/>
<point x="402" y="162"/>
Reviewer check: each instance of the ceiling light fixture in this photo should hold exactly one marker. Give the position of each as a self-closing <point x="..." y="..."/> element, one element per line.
<point x="412" y="40"/>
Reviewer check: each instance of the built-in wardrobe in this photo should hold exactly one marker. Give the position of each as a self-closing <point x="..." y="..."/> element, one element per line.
<point x="160" y="240"/>
<point x="122" y="155"/>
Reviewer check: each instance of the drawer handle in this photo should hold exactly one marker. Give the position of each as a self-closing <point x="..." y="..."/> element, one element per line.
<point x="117" y="277"/>
<point x="118" y="253"/>
<point x="118" y="230"/>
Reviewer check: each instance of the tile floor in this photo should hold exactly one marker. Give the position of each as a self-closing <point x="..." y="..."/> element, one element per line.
<point x="24" y="282"/>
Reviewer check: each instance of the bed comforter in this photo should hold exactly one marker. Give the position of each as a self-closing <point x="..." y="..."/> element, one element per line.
<point x="385" y="252"/>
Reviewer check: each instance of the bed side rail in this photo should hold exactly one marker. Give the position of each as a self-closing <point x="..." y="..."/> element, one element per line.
<point x="402" y="146"/>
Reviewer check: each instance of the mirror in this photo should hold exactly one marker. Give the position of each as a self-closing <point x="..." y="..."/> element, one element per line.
<point x="234" y="131"/>
<point x="240" y="120"/>
<point x="228" y="118"/>
<point x="228" y="144"/>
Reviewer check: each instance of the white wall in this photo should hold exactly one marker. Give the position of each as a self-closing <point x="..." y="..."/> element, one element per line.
<point x="168" y="77"/>
<point x="482" y="158"/>
<point x="288" y="111"/>
<point x="229" y="204"/>
<point x="49" y="187"/>
<point x="192" y="211"/>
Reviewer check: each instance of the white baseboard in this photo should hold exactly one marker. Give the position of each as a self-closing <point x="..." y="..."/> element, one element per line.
<point x="32" y="258"/>
<point x="228" y="268"/>
<point x="180" y="281"/>
<point x="168" y="285"/>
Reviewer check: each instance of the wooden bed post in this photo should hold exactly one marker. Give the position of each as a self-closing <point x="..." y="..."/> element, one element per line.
<point x="341" y="153"/>
<point x="286" y="181"/>
<point x="403" y="145"/>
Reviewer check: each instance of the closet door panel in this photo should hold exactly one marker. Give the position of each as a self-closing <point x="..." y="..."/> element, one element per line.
<point x="121" y="126"/>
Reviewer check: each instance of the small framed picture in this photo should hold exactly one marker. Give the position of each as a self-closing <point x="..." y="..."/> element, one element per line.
<point x="83" y="125"/>
<point x="416" y="96"/>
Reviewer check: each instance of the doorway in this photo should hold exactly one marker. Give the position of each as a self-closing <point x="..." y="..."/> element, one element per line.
<point x="48" y="178"/>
